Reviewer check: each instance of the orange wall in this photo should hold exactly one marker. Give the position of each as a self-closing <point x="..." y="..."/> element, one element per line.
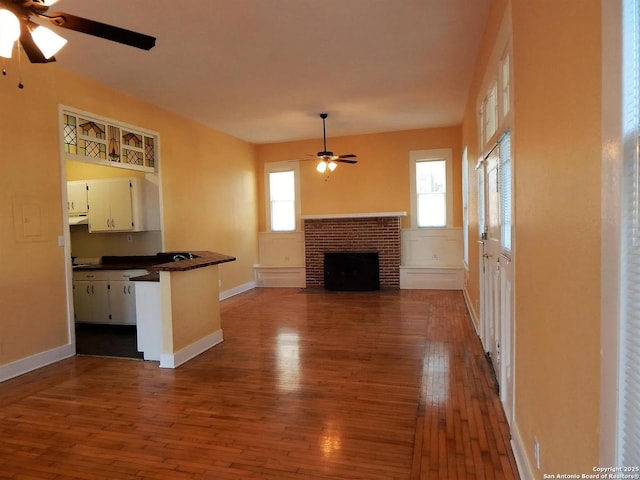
<point x="379" y="182"/>
<point x="209" y="197"/>
<point x="556" y="163"/>
<point x="557" y="72"/>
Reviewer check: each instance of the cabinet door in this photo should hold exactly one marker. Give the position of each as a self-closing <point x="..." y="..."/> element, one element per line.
<point x="99" y="200"/>
<point x="121" y="208"/>
<point x="91" y="301"/>
<point x="77" y="197"/>
<point x="122" y="302"/>
<point x="82" y="301"/>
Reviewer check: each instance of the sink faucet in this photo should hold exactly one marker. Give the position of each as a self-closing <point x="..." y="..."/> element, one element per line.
<point x="180" y="256"/>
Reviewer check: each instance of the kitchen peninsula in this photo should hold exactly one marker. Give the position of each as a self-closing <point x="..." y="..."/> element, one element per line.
<point x="177" y="302"/>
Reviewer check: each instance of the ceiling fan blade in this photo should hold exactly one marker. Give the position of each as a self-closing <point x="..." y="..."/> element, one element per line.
<point x="344" y="160"/>
<point x="348" y="155"/>
<point x="30" y="47"/>
<point x="102" y="30"/>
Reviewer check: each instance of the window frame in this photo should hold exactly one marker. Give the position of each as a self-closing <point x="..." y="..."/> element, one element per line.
<point x="276" y="167"/>
<point x="416" y="156"/>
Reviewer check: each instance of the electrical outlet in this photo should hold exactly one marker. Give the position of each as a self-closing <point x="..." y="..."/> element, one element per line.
<point x="219" y="283"/>
<point x="434" y="257"/>
<point x="536" y="452"/>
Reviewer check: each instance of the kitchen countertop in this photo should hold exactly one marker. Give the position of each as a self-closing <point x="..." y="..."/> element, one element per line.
<point x="161" y="262"/>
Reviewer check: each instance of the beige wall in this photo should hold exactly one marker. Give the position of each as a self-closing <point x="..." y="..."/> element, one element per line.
<point x="556" y="155"/>
<point x="207" y="179"/>
<point x="379" y="182"/>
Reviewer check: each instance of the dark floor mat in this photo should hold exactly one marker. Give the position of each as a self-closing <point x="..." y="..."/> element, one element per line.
<point x="107" y="340"/>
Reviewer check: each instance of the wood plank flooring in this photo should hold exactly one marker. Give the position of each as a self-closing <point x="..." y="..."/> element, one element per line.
<point x="358" y="386"/>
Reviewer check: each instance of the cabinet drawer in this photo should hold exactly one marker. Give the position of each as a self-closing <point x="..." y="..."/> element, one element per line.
<point x="124" y="275"/>
<point x="96" y="275"/>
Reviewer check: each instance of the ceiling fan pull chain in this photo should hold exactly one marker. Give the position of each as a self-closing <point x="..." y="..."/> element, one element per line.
<point x="20" y="84"/>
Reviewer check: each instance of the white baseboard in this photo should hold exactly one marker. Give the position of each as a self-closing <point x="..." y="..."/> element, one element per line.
<point x="472" y="312"/>
<point x="522" y="461"/>
<point x="237" y="290"/>
<point x="174" y="360"/>
<point x="39" y="360"/>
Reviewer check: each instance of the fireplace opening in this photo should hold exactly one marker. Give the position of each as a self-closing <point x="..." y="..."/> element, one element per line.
<point x="351" y="271"/>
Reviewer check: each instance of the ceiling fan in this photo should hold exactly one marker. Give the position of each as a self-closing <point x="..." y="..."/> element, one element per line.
<point x="41" y="43"/>
<point x="326" y="159"/>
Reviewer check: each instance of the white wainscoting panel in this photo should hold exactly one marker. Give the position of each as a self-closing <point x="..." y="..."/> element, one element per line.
<point x="431" y="258"/>
<point x="281" y="249"/>
<point x="281" y="256"/>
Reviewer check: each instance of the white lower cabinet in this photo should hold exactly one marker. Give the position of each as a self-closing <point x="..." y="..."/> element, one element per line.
<point x="105" y="296"/>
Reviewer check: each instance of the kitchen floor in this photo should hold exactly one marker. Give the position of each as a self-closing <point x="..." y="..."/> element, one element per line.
<point x="107" y="340"/>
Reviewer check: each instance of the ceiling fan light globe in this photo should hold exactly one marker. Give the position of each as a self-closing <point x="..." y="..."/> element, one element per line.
<point x="332" y="165"/>
<point x="9" y="32"/>
<point x="321" y="167"/>
<point x="48" y="41"/>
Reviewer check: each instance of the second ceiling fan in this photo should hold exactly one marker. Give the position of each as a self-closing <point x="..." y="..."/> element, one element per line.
<point x="326" y="159"/>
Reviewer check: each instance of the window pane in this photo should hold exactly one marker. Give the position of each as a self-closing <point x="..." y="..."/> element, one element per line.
<point x="431" y="187"/>
<point x="431" y="176"/>
<point x="281" y="186"/>
<point x="505" y="192"/>
<point x="283" y="216"/>
<point x="282" y="198"/>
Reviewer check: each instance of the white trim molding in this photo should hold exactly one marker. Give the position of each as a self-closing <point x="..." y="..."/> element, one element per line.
<point x="39" y="360"/>
<point x="174" y="360"/>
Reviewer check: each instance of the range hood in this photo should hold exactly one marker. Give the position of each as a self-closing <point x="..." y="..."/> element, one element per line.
<point x="78" y="220"/>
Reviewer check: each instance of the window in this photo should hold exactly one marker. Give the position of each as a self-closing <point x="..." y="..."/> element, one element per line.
<point x="629" y="369"/>
<point x="282" y="196"/>
<point x="431" y="188"/>
<point x="465" y="206"/>
<point x="89" y="138"/>
<point x="505" y="192"/>
<point x="490" y="112"/>
<point x="505" y="85"/>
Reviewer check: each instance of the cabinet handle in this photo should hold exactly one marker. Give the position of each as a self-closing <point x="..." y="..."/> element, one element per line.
<point x="124" y="289"/>
<point x="108" y="224"/>
<point x="88" y="289"/>
<point x="73" y="205"/>
<point x="92" y="290"/>
<point x="113" y="223"/>
<point x="129" y="289"/>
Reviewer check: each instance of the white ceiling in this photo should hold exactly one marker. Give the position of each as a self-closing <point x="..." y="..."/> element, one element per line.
<point x="263" y="70"/>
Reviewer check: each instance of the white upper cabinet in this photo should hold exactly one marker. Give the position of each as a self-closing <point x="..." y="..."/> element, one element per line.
<point x="77" y="197"/>
<point x="115" y="205"/>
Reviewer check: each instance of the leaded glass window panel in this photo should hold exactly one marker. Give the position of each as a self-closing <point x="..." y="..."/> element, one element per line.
<point x="69" y="134"/>
<point x="114" y="143"/>
<point x="91" y="139"/>
<point x="134" y="157"/>
<point x="92" y="129"/>
<point x="92" y="149"/>
<point x="149" y="151"/>
<point x="132" y="139"/>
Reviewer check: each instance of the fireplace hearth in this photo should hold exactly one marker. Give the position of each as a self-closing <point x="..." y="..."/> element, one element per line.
<point x="351" y="271"/>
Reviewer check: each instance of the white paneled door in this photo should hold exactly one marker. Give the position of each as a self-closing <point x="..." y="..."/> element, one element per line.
<point x="496" y="277"/>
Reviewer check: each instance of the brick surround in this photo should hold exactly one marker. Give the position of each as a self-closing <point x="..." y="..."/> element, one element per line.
<point x="358" y="234"/>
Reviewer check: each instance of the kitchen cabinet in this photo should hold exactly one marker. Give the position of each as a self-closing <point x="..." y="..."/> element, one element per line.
<point x="105" y="296"/>
<point x="91" y="298"/>
<point x="114" y="205"/>
<point x="77" y="197"/>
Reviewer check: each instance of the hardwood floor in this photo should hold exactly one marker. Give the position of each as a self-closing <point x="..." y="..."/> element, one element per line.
<point x="305" y="386"/>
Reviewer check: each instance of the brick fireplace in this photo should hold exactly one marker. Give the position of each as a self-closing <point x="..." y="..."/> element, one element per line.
<point x="378" y="232"/>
